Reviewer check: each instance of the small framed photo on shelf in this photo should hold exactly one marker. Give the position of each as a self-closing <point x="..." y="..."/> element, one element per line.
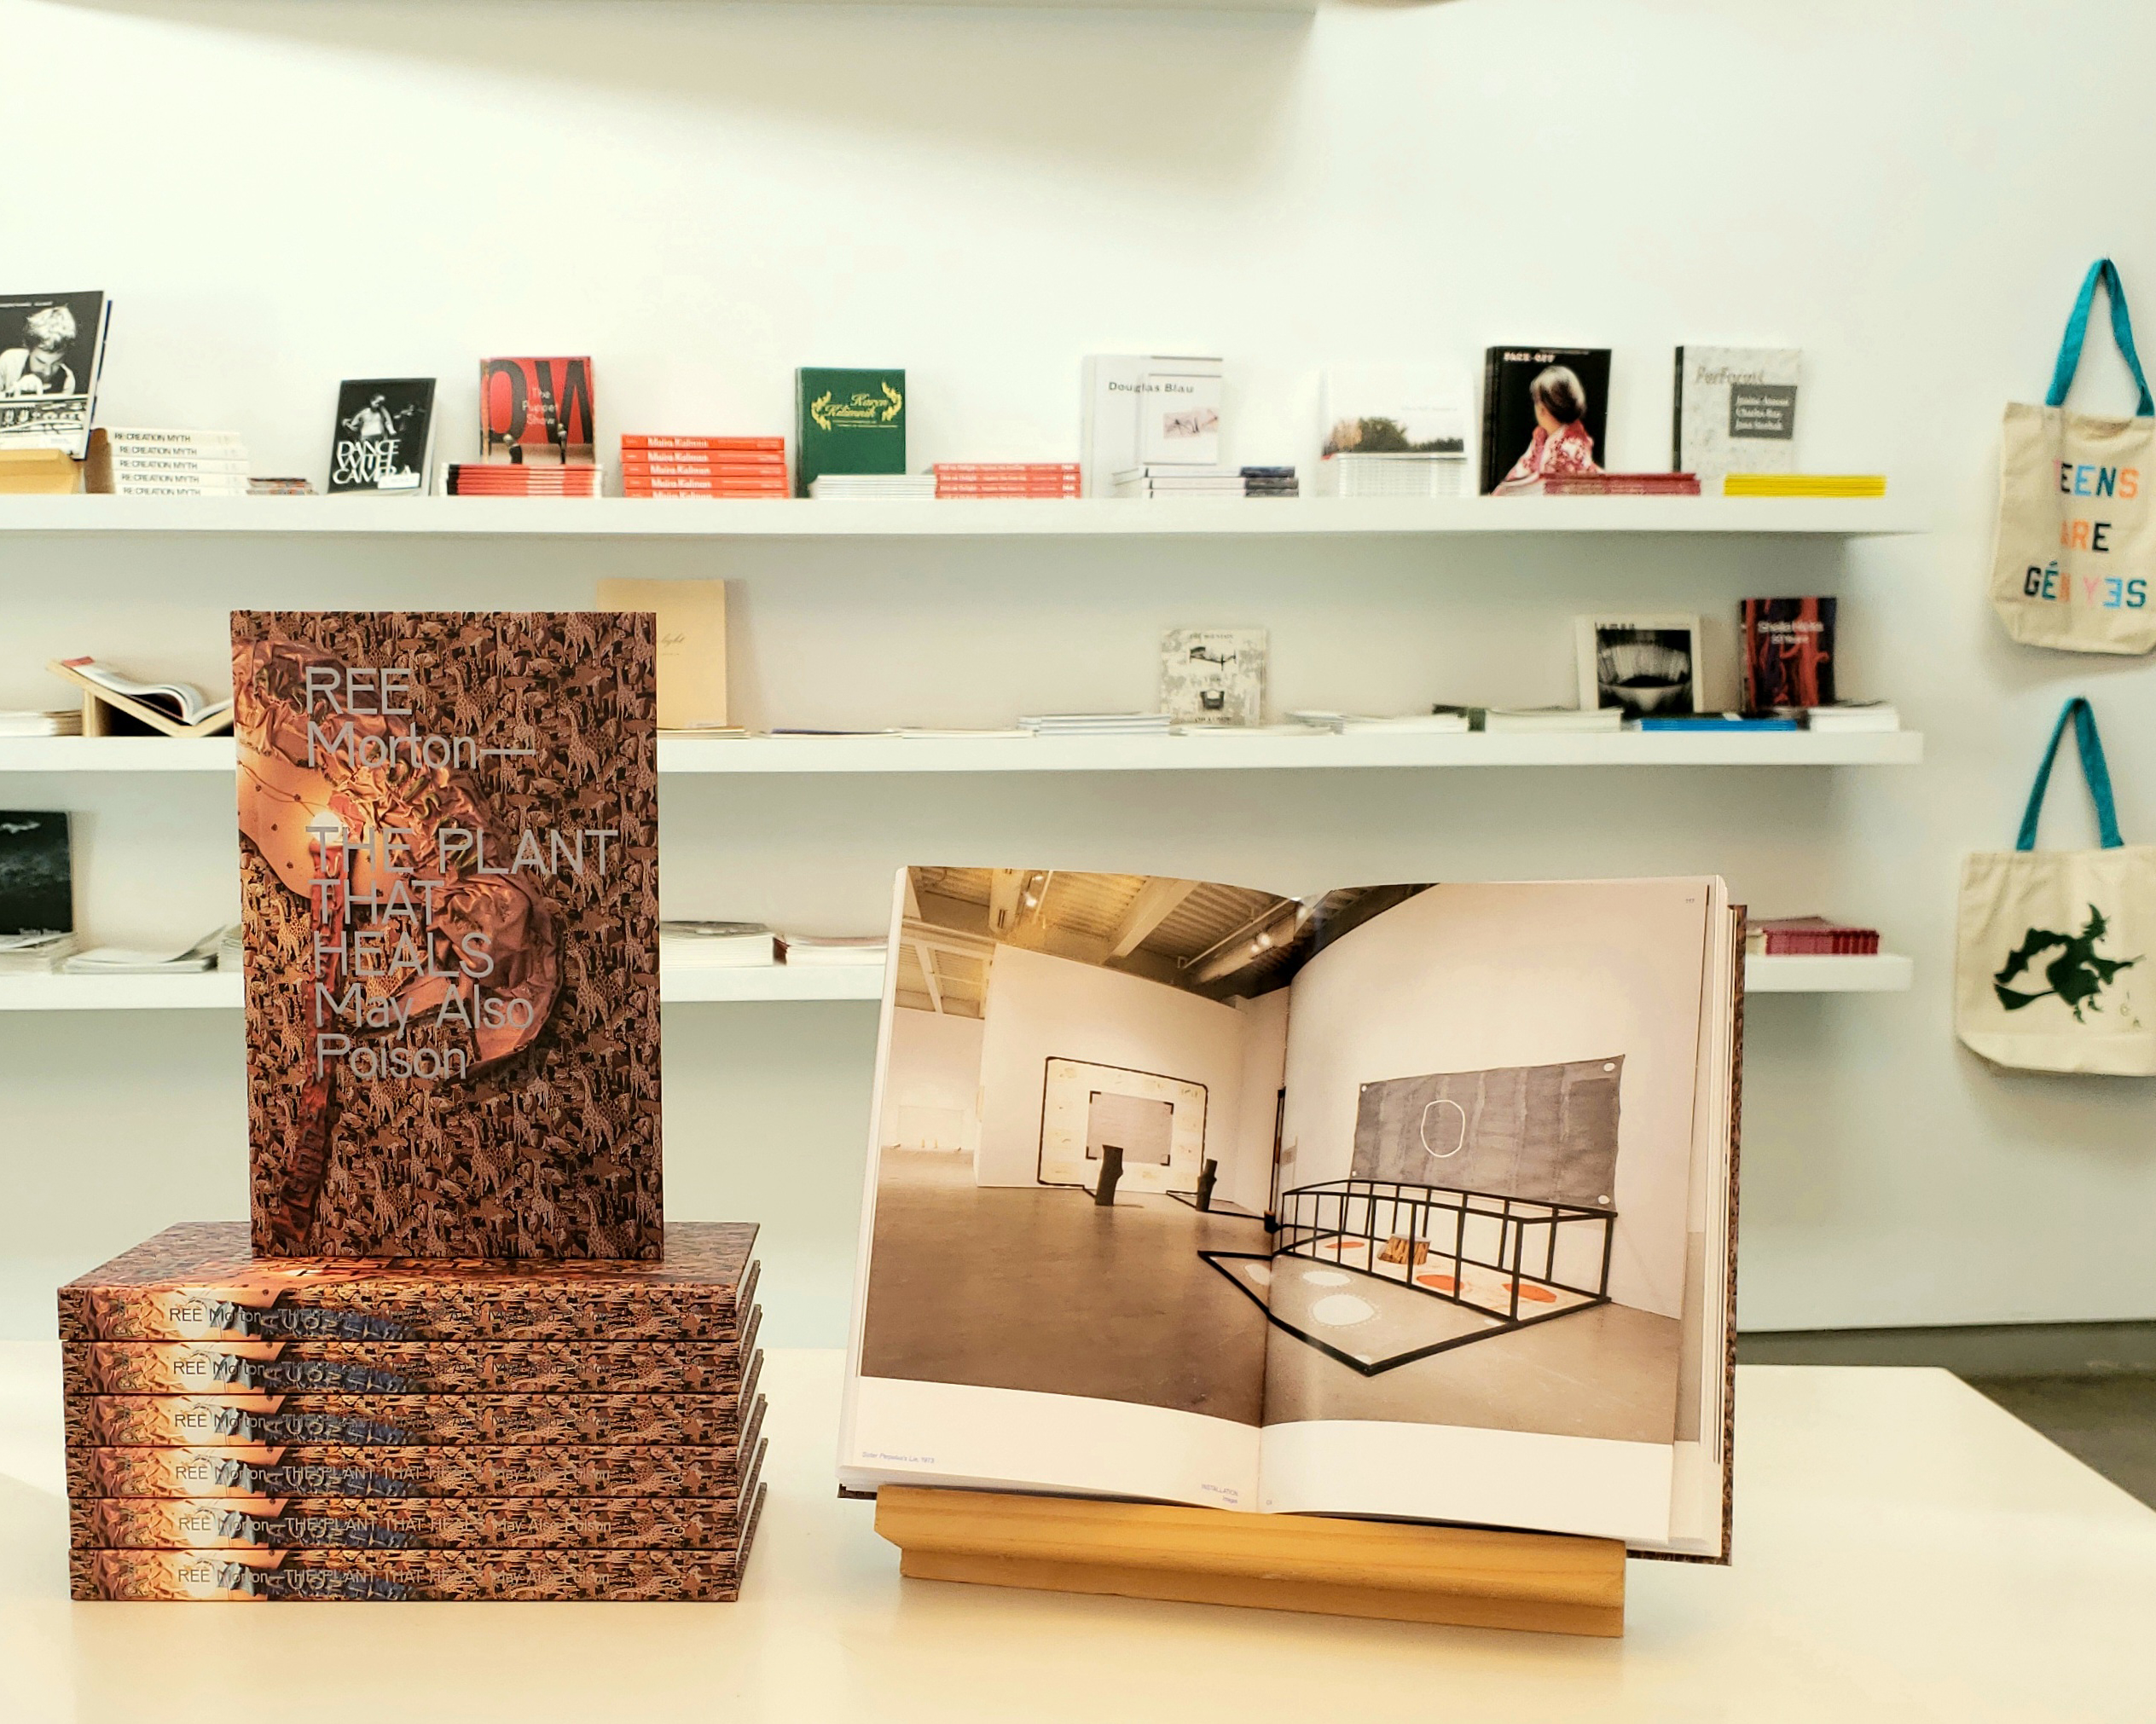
<point x="1647" y="666"/>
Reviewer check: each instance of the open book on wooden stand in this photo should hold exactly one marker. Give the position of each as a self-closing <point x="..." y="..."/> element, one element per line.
<point x="116" y="704"/>
<point x="1368" y="1251"/>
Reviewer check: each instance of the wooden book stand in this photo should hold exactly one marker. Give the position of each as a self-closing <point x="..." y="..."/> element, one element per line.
<point x="1464" y="1575"/>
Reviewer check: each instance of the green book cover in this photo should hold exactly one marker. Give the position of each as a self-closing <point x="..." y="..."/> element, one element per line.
<point x="848" y="422"/>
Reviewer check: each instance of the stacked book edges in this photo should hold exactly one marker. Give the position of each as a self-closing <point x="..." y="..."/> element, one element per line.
<point x="1804" y="485"/>
<point x="874" y="487"/>
<point x="1206" y="481"/>
<point x="1007" y="479"/>
<point x="522" y="479"/>
<point x="1810" y="936"/>
<point x="1846" y="717"/>
<point x="716" y="466"/>
<point x="1094" y="724"/>
<point x="34" y="953"/>
<point x="259" y="1429"/>
<point x="1616" y="485"/>
<point x="144" y="463"/>
<point x="42" y="724"/>
<point x="1403" y="474"/>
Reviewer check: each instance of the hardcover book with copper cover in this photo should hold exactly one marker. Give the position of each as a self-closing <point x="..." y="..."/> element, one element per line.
<point x="450" y="833"/>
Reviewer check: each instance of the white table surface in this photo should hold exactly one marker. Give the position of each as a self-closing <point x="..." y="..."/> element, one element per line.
<point x="1905" y="1551"/>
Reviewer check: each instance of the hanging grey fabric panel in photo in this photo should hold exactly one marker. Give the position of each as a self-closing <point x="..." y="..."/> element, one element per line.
<point x="1547" y="1133"/>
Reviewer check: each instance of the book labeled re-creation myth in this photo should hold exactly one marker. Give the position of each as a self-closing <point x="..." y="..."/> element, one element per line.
<point x="1407" y="1201"/>
<point x="537" y="412"/>
<point x="1149" y="411"/>
<point x="52" y="348"/>
<point x="383" y="440"/>
<point x="847" y="421"/>
<point x="1735" y="411"/>
<point x="1788" y="653"/>
<point x="448" y="880"/>
<point x="1214" y="676"/>
<point x="1544" y="413"/>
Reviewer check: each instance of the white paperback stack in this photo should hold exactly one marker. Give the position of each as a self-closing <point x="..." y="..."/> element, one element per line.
<point x="1157" y="481"/>
<point x="1852" y="716"/>
<point x="178" y="463"/>
<point x="119" y="960"/>
<point x="833" y="951"/>
<point x="1449" y="722"/>
<point x="865" y="488"/>
<point x="1393" y="431"/>
<point x="232" y="949"/>
<point x="1553" y="717"/>
<point x="715" y="945"/>
<point x="42" y="724"/>
<point x="33" y="954"/>
<point x="1096" y="724"/>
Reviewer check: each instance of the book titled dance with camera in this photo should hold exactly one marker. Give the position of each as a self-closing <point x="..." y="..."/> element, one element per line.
<point x="383" y="436"/>
<point x="1407" y="1201"/>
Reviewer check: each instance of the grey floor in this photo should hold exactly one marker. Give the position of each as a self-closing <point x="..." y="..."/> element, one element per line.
<point x="2089" y="1387"/>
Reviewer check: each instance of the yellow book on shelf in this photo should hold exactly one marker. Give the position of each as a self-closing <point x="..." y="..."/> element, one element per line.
<point x="38" y="473"/>
<point x="1804" y="485"/>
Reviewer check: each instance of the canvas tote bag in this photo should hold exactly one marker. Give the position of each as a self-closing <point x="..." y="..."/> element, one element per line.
<point x="2074" y="563"/>
<point x="2055" y="969"/>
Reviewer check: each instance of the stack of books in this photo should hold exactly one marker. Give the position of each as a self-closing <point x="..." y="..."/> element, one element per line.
<point x="1804" y="485"/>
<point x="232" y="950"/>
<point x="1568" y="719"/>
<point x="1856" y="717"/>
<point x="1614" y="485"/>
<point x="503" y="479"/>
<point x="264" y="1428"/>
<point x="699" y="467"/>
<point x="1006" y="478"/>
<point x="715" y="945"/>
<point x="172" y="463"/>
<point x="1096" y="724"/>
<point x="33" y="954"/>
<point x="280" y="487"/>
<point x="1270" y="482"/>
<point x="1179" y="481"/>
<point x="1347" y="475"/>
<point x="873" y="488"/>
<point x="1810" y="936"/>
<point x="834" y="950"/>
<point x="38" y="473"/>
<point x="42" y="724"/>
<point x="1451" y="720"/>
<point x="124" y="960"/>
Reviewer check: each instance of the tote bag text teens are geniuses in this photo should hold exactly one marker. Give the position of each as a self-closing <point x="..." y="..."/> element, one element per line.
<point x="2074" y="560"/>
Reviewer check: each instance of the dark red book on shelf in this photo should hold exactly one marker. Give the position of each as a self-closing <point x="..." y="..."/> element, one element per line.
<point x="1620" y="485"/>
<point x="1811" y="936"/>
<point x="1788" y="653"/>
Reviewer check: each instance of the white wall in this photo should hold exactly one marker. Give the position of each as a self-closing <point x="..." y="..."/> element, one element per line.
<point x="935" y="1068"/>
<point x="1042" y="1007"/>
<point x="1468" y="978"/>
<point x="1246" y="1171"/>
<point x="702" y="197"/>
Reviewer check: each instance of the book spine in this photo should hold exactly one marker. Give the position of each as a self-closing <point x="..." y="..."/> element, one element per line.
<point x="1677" y="417"/>
<point x="631" y="442"/>
<point x="1492" y="365"/>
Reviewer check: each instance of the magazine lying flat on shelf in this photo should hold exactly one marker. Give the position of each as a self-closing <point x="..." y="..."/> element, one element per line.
<point x="1404" y="1202"/>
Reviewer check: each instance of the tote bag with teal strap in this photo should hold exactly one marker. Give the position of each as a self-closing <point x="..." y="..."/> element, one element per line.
<point x="2074" y="563"/>
<point x="2055" y="968"/>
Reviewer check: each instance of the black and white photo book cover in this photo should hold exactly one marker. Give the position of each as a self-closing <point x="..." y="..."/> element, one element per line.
<point x="1647" y="666"/>
<point x="37" y="895"/>
<point x="52" y="346"/>
<point x="383" y="436"/>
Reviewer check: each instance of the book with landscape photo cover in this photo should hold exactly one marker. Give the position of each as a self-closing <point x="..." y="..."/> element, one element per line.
<point x="1404" y="1202"/>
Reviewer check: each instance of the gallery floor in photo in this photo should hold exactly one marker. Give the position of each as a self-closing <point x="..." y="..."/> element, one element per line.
<point x="1019" y="1287"/>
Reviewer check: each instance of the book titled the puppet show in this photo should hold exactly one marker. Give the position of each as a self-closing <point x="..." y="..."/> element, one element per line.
<point x="450" y="830"/>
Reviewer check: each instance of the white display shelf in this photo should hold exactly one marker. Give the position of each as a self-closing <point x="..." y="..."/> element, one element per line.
<point x="1886" y="973"/>
<point x="1225" y="751"/>
<point x="992" y="518"/>
<point x="681" y="984"/>
<point x="220" y="991"/>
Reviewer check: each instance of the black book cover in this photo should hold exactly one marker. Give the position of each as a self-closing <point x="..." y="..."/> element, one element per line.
<point x="381" y="441"/>
<point x="1570" y="385"/>
<point x="37" y="894"/>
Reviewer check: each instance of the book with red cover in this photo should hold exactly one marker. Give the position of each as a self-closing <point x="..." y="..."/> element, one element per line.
<point x="537" y="411"/>
<point x="637" y="440"/>
<point x="1620" y="485"/>
<point x="1811" y="936"/>
<point x="1788" y="653"/>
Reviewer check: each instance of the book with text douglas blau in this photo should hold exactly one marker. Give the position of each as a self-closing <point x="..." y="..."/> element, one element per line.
<point x="1406" y="1201"/>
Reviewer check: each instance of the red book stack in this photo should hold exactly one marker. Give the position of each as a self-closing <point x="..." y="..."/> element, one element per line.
<point x="1006" y="479"/>
<point x="688" y="466"/>
<point x="534" y="479"/>
<point x="1810" y="936"/>
<point x="1620" y="485"/>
